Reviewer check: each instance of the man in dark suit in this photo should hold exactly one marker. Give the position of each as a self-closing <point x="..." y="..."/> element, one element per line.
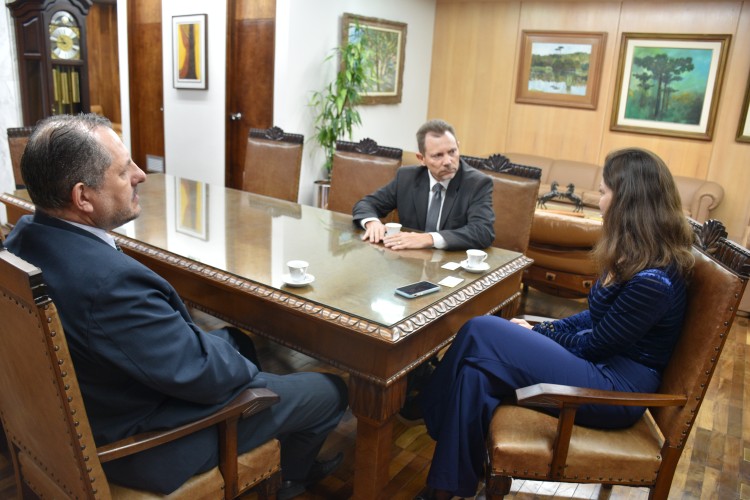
<point x="141" y="361"/>
<point x="444" y="197"/>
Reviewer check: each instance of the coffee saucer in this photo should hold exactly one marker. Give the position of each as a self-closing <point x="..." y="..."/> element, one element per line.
<point x="479" y="269"/>
<point x="288" y="281"/>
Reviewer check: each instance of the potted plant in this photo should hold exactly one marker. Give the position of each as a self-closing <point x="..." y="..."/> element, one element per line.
<point x="335" y="107"/>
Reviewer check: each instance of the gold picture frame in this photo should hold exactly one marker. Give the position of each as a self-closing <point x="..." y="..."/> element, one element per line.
<point x="743" y="130"/>
<point x="189" y="52"/>
<point x="560" y="68"/>
<point x="669" y="84"/>
<point x="387" y="41"/>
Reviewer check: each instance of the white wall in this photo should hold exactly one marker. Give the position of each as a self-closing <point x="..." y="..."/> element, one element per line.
<point x="194" y="120"/>
<point x="10" y="102"/>
<point x="306" y="32"/>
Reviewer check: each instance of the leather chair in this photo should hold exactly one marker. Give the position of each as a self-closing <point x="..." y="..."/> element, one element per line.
<point x="17" y="139"/>
<point x="272" y="163"/>
<point x="514" y="194"/>
<point x="525" y="443"/>
<point x="360" y="168"/>
<point x="47" y="429"/>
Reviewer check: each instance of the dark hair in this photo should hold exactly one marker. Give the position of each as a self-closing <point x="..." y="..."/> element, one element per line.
<point x="63" y="151"/>
<point x="644" y="225"/>
<point x="434" y="127"/>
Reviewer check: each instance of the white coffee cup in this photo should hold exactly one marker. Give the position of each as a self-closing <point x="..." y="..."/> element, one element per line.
<point x="392" y="228"/>
<point x="475" y="258"/>
<point x="297" y="269"/>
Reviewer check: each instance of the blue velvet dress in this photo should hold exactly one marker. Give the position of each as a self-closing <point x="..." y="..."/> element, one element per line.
<point x="622" y="342"/>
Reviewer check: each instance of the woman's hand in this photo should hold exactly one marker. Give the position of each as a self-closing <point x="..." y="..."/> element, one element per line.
<point x="521" y="322"/>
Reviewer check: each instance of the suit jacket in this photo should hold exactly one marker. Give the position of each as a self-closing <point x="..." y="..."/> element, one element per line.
<point x="141" y="362"/>
<point x="467" y="219"/>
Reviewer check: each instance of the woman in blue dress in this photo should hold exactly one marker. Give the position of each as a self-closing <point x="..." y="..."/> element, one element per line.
<point x="622" y="342"/>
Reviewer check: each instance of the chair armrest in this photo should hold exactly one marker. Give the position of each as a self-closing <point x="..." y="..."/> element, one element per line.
<point x="247" y="403"/>
<point x="560" y="396"/>
<point x="568" y="399"/>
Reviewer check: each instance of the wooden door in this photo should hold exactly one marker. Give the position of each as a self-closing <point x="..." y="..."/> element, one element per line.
<point x="250" y="67"/>
<point x="146" y="86"/>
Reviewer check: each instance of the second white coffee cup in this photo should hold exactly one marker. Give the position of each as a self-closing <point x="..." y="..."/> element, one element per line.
<point x="297" y="269"/>
<point x="475" y="258"/>
<point x="392" y="228"/>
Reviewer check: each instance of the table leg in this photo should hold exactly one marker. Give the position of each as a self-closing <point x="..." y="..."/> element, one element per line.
<point x="372" y="457"/>
<point x="374" y="406"/>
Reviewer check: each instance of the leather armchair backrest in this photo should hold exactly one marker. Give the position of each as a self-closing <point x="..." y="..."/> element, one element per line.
<point x="713" y="295"/>
<point x="514" y="201"/>
<point x="358" y="170"/>
<point x="272" y="163"/>
<point x="17" y="139"/>
<point x="514" y="194"/>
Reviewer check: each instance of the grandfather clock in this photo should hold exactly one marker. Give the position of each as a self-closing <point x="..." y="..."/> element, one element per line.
<point x="52" y="66"/>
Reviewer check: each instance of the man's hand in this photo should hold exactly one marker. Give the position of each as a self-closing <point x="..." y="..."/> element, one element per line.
<point x="402" y="240"/>
<point x="374" y="231"/>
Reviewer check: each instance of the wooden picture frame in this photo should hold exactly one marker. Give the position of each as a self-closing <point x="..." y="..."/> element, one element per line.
<point x="560" y="68"/>
<point x="679" y="103"/>
<point x="191" y="208"/>
<point x="743" y="130"/>
<point x="387" y="41"/>
<point x="189" y="52"/>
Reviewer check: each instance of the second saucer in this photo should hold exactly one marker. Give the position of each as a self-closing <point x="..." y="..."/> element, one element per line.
<point x="479" y="269"/>
<point x="288" y="281"/>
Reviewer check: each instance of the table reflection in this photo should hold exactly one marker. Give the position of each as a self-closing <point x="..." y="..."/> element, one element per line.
<point x="252" y="237"/>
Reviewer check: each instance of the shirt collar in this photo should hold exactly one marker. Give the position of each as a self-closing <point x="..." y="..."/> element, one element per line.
<point x="99" y="232"/>
<point x="434" y="181"/>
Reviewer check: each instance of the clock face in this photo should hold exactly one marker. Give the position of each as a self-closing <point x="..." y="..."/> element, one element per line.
<point x="64" y="36"/>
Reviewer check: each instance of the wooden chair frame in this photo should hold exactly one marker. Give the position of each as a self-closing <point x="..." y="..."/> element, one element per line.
<point x="58" y="398"/>
<point x="514" y="191"/>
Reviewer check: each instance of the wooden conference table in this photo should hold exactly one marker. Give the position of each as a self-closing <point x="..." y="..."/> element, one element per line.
<point x="225" y="251"/>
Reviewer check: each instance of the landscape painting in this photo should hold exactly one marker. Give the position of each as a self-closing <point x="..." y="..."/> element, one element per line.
<point x="386" y="41"/>
<point x="560" y="68"/>
<point x="669" y="85"/>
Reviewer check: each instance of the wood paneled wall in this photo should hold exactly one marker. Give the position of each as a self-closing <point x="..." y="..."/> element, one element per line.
<point x="145" y="80"/>
<point x="104" y="71"/>
<point x="475" y="67"/>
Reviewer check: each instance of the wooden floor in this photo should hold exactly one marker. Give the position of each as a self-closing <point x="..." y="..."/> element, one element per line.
<point x="714" y="465"/>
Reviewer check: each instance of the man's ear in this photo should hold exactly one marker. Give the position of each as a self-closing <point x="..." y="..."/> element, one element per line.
<point x="420" y="157"/>
<point x="80" y="198"/>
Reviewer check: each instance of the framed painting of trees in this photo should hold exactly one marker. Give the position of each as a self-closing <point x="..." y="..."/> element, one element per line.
<point x="385" y="42"/>
<point x="669" y="84"/>
<point x="560" y="68"/>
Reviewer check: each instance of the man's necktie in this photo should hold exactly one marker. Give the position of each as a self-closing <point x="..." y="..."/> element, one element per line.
<point x="433" y="213"/>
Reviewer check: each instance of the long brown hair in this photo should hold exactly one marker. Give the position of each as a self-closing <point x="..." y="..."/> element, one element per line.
<point x="644" y="226"/>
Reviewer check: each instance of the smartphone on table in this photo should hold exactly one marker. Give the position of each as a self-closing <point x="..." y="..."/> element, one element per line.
<point x="417" y="289"/>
